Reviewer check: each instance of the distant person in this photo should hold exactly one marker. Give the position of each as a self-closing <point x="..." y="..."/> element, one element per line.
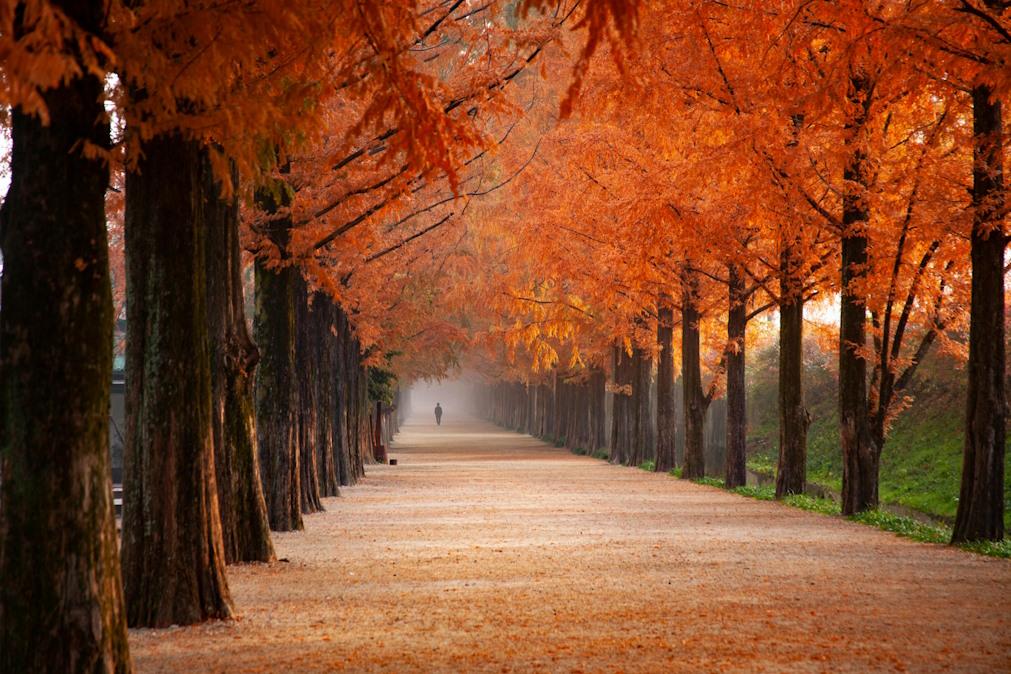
<point x="438" y="414"/>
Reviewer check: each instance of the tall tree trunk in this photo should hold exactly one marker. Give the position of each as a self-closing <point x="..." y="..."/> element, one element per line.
<point x="343" y="390"/>
<point x="364" y="446"/>
<point x="735" y="473"/>
<point x="621" y="429"/>
<point x="173" y="554"/>
<point x="980" y="513"/>
<point x="644" y="440"/>
<point x="665" y="415"/>
<point x="276" y="381"/>
<point x="633" y="456"/>
<point x="327" y="387"/>
<point x="61" y="597"/>
<point x="791" y="473"/>
<point x="860" y="452"/>
<point x="233" y="357"/>
<point x="695" y="401"/>
<point x="308" y="333"/>
<point x="598" y="382"/>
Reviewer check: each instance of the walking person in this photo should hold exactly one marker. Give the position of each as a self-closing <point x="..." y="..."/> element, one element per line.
<point x="438" y="414"/>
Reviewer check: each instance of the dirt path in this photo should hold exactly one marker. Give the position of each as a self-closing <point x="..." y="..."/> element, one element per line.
<point x="486" y="550"/>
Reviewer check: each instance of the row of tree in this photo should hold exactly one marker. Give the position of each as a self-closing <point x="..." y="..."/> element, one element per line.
<point x="788" y="156"/>
<point x="327" y="142"/>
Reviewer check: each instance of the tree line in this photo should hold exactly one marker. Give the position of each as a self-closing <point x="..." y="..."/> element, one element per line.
<point x="794" y="157"/>
<point x="315" y="143"/>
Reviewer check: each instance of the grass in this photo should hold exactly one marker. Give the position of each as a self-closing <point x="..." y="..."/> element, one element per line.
<point x="906" y="527"/>
<point x="824" y="506"/>
<point x="921" y="462"/>
<point x="990" y="548"/>
<point x="767" y="493"/>
<point x="582" y="451"/>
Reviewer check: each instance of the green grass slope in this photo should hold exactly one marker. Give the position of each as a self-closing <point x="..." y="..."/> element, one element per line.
<point x="921" y="462"/>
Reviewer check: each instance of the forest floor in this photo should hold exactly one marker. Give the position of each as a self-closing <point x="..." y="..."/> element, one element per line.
<point x="486" y="550"/>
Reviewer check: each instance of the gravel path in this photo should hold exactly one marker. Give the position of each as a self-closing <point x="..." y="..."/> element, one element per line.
<point x="485" y="550"/>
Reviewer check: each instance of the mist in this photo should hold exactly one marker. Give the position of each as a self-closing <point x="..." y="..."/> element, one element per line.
<point x="455" y="395"/>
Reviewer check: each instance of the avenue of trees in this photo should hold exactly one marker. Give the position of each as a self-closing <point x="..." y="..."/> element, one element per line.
<point x="288" y="201"/>
<point x="842" y="156"/>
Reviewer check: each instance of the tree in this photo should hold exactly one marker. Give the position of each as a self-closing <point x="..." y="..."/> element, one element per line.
<point x="276" y="380"/>
<point x="665" y="410"/>
<point x="981" y="500"/>
<point x="173" y="552"/>
<point x="860" y="453"/>
<point x="61" y="599"/>
<point x="233" y="358"/>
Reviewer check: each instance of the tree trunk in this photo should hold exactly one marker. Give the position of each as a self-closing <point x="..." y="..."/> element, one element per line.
<point x="665" y="416"/>
<point x="308" y="329"/>
<point x="633" y="452"/>
<point x="860" y="452"/>
<point x="622" y="429"/>
<point x="327" y="390"/>
<point x="61" y="597"/>
<point x="980" y="513"/>
<point x="342" y="387"/>
<point x="791" y="473"/>
<point x="735" y="473"/>
<point x="173" y="554"/>
<point x="644" y="440"/>
<point x="233" y="357"/>
<point x="598" y="382"/>
<point x="695" y="401"/>
<point x="276" y="383"/>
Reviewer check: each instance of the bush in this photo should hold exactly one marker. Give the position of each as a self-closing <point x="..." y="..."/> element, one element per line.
<point x="648" y="466"/>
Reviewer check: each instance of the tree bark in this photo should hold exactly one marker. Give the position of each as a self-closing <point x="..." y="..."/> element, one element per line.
<point x="327" y="389"/>
<point x="644" y="439"/>
<point x="980" y="513"/>
<point x="276" y="384"/>
<point x="598" y="381"/>
<point x="695" y="401"/>
<point x="308" y="334"/>
<point x="665" y="415"/>
<point x="623" y="426"/>
<point x="791" y="473"/>
<point x="860" y="453"/>
<point x="342" y="387"/>
<point x="61" y="597"/>
<point x="173" y="553"/>
<point x="735" y="473"/>
<point x="233" y="357"/>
